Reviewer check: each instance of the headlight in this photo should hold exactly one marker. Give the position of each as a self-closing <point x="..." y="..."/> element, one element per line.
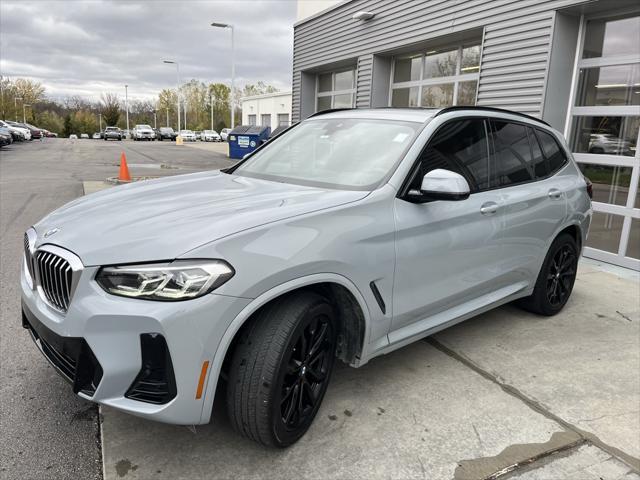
<point x="179" y="280"/>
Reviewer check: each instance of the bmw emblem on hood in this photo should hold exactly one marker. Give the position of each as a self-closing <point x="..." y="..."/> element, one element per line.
<point x="53" y="231"/>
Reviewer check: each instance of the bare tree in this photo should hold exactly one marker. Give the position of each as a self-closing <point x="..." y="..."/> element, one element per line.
<point x="110" y="108"/>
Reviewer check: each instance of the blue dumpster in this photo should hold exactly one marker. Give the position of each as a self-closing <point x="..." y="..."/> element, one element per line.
<point x="246" y="138"/>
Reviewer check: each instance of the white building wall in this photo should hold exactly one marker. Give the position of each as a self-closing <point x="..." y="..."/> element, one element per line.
<point x="307" y="8"/>
<point x="270" y="104"/>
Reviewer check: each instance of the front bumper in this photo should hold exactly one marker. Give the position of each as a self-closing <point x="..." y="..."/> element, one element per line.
<point x="96" y="344"/>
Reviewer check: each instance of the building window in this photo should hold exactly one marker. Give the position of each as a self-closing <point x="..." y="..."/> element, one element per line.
<point x="603" y="132"/>
<point x="265" y="119"/>
<point x="336" y="90"/>
<point x="252" y="119"/>
<point x="283" y="119"/>
<point x="436" y="78"/>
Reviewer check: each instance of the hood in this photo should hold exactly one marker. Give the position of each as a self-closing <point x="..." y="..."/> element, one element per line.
<point x="163" y="219"/>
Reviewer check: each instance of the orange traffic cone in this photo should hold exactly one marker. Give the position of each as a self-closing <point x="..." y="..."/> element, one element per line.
<point x="124" y="176"/>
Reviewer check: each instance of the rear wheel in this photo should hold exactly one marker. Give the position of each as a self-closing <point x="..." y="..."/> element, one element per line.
<point x="280" y="369"/>
<point x="556" y="279"/>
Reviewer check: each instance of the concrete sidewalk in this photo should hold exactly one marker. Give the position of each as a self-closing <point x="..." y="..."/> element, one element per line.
<point x="507" y="393"/>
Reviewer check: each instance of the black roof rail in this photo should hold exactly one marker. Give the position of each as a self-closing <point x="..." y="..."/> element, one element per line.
<point x="329" y="110"/>
<point x="490" y="109"/>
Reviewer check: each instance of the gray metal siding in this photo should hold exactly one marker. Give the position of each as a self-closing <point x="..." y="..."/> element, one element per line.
<point x="515" y="56"/>
<point x="363" y="81"/>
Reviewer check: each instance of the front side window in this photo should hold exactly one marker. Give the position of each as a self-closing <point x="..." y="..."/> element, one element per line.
<point x="336" y="90"/>
<point x="340" y="153"/>
<point x="460" y="146"/>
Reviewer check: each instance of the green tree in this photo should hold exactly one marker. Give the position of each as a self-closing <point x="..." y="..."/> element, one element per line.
<point x="51" y="121"/>
<point x="67" y="129"/>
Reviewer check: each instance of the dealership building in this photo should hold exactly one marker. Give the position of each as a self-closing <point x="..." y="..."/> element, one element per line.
<point x="575" y="64"/>
<point x="268" y="110"/>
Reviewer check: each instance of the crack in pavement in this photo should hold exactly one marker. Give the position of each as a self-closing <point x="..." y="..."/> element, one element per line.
<point x="631" y="461"/>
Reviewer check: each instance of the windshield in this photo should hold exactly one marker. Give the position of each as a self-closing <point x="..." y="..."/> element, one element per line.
<point x="336" y="153"/>
<point x="144" y="126"/>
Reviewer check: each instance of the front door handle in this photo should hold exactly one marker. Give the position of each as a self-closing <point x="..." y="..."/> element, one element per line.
<point x="489" y="208"/>
<point x="554" y="193"/>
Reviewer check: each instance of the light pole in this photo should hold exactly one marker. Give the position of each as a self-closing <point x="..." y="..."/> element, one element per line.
<point x="233" y="68"/>
<point x="126" y="104"/>
<point x="100" y="118"/>
<point x="177" y="87"/>
<point x="211" y="107"/>
<point x="167" y="116"/>
<point x="155" y="120"/>
<point x="24" y="115"/>
<point x="15" y="106"/>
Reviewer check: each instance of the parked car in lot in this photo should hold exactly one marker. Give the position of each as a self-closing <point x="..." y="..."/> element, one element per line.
<point x="224" y="133"/>
<point x="17" y="134"/>
<point x="166" y="133"/>
<point x="5" y="136"/>
<point x="26" y="132"/>
<point x="348" y="236"/>
<point x="188" y="135"/>
<point x="96" y="136"/>
<point x="210" y="136"/>
<point x="84" y="135"/>
<point x="36" y="133"/>
<point x="113" y="133"/>
<point x="606" y="143"/>
<point x="73" y="136"/>
<point x="142" y="132"/>
<point x="198" y="134"/>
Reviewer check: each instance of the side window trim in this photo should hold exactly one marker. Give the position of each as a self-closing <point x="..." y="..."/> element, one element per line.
<point x="411" y="176"/>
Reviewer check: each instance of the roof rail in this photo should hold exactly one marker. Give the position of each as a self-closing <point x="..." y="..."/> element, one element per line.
<point x="490" y="109"/>
<point x="329" y="110"/>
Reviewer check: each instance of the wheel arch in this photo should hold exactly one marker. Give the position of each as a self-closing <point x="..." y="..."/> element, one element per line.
<point x="346" y="298"/>
<point x="575" y="231"/>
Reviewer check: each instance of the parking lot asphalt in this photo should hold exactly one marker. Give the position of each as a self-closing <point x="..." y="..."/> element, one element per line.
<point x="45" y="430"/>
<point x="506" y="393"/>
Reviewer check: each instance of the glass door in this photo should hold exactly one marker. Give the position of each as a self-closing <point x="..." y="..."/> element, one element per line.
<point x="603" y="131"/>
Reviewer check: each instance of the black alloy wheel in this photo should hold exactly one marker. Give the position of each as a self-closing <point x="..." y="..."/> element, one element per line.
<point x="562" y="272"/>
<point x="556" y="278"/>
<point x="310" y="357"/>
<point x="280" y="369"/>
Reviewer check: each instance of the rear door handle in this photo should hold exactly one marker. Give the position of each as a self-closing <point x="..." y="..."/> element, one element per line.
<point x="554" y="193"/>
<point x="489" y="208"/>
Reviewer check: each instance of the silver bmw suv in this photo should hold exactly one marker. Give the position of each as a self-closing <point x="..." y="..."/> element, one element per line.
<point x="348" y="236"/>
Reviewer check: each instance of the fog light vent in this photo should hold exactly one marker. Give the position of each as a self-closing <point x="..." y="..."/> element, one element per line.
<point x="155" y="382"/>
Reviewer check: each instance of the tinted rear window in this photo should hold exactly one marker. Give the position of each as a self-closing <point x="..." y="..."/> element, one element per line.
<point x="555" y="155"/>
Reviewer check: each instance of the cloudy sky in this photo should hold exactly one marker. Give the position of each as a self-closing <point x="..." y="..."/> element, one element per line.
<point x="86" y="47"/>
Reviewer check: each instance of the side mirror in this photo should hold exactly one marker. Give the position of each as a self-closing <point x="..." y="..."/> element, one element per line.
<point x="441" y="184"/>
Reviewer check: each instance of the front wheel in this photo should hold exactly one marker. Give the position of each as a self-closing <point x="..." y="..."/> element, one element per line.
<point x="280" y="369"/>
<point x="556" y="278"/>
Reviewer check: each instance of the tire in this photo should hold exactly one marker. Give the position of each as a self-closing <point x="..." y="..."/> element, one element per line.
<point x="556" y="278"/>
<point x="275" y="362"/>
